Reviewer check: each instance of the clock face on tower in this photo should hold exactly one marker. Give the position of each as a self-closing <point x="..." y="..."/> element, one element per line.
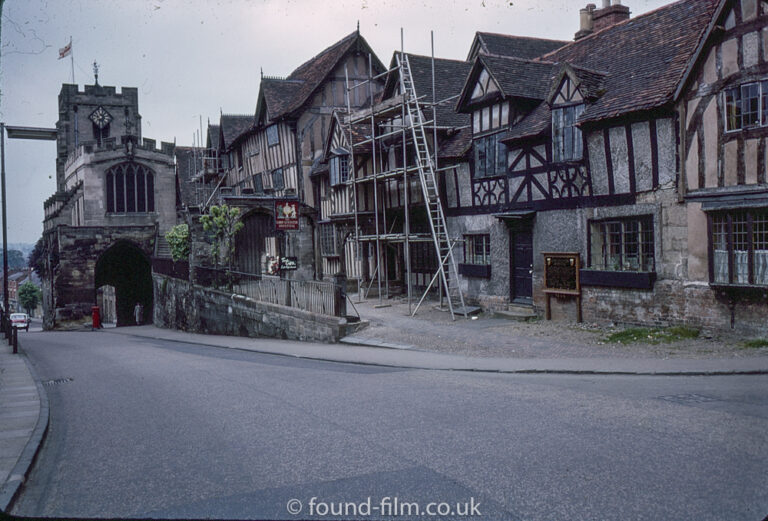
<point x="100" y="117"/>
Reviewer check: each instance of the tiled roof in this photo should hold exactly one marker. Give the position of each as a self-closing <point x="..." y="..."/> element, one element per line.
<point x="186" y="167"/>
<point x="538" y="121"/>
<point x="455" y="145"/>
<point x="213" y="136"/>
<point x="280" y="95"/>
<point x="520" y="78"/>
<point x="644" y="57"/>
<point x="234" y="125"/>
<point x="284" y="96"/>
<point x="450" y="76"/>
<point x="516" y="46"/>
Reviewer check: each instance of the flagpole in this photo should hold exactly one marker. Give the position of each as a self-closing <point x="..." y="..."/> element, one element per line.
<point x="72" y="59"/>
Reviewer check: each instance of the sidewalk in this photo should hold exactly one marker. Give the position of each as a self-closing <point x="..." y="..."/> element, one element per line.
<point x="371" y="352"/>
<point x="23" y="421"/>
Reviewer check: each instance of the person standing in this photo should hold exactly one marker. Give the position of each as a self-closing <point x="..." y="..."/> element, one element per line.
<point x="138" y="312"/>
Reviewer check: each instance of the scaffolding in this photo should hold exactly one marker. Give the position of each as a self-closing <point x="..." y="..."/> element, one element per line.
<point x="402" y="118"/>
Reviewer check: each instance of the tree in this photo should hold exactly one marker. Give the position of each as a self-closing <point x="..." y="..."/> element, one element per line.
<point x="224" y="223"/>
<point x="29" y="296"/>
<point x="178" y="240"/>
<point x="15" y="259"/>
<point x="36" y="259"/>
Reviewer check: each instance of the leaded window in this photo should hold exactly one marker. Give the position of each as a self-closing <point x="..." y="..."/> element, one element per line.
<point x="130" y="189"/>
<point x="490" y="156"/>
<point x="625" y="244"/>
<point x="328" y="240"/>
<point x="739" y="245"/>
<point x="278" y="182"/>
<point x="567" y="144"/>
<point x="273" y="137"/>
<point x="477" y="249"/>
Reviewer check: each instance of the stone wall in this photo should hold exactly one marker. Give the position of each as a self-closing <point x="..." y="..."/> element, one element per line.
<point x="188" y="307"/>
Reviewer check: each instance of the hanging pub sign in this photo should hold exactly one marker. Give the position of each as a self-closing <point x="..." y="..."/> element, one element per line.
<point x="286" y="215"/>
<point x="288" y="263"/>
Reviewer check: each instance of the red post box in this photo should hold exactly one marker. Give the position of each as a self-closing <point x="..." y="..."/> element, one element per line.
<point x="96" y="315"/>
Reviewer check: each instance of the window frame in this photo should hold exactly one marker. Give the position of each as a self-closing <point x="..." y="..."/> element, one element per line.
<point x="471" y="255"/>
<point x="567" y="137"/>
<point x="273" y="135"/>
<point x="616" y="251"/>
<point x="480" y="147"/>
<point x="734" y="104"/>
<point x="744" y="231"/>
<point x="276" y="174"/>
<point x="339" y="169"/>
<point x="129" y="180"/>
<point x="328" y="246"/>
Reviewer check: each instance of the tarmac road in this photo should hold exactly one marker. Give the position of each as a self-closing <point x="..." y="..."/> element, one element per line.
<point x="150" y="428"/>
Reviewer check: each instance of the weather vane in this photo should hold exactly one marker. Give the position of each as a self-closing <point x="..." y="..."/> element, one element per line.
<point x="96" y="71"/>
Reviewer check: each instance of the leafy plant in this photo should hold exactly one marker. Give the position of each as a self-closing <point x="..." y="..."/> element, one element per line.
<point x="178" y="240"/>
<point x="223" y="223"/>
<point x="29" y="296"/>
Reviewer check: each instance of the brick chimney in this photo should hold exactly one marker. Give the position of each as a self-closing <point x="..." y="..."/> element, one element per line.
<point x="593" y="19"/>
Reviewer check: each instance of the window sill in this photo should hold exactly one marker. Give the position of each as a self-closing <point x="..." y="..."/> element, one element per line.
<point x="618" y="279"/>
<point x="480" y="271"/>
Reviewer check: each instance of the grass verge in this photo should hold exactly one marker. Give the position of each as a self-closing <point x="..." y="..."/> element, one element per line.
<point x="757" y="343"/>
<point x="652" y="335"/>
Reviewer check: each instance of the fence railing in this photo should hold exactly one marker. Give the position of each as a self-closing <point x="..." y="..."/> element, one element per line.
<point x="325" y="298"/>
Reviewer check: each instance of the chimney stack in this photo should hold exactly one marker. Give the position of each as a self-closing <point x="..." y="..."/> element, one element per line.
<point x="586" y="21"/>
<point x="593" y="19"/>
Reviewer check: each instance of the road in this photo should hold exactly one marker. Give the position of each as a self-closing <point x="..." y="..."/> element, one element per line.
<point x="145" y="428"/>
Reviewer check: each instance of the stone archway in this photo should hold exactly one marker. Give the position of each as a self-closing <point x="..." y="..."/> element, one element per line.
<point x="126" y="267"/>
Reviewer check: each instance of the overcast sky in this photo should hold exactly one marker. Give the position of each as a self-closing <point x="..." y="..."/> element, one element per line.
<point x="193" y="58"/>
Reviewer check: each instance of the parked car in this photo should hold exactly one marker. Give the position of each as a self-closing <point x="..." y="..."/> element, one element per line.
<point x="20" y="320"/>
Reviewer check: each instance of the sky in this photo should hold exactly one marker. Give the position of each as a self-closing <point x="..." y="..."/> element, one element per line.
<point x="192" y="59"/>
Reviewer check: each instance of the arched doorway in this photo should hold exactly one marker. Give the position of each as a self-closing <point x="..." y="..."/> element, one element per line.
<point x="128" y="269"/>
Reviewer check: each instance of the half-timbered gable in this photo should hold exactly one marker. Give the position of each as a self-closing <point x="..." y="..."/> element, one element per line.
<point x="723" y="126"/>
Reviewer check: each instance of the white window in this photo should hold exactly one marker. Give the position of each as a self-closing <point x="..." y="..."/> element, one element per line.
<point x="746" y="106"/>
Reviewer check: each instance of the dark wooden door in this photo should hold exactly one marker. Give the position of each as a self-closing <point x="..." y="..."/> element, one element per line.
<point x="521" y="266"/>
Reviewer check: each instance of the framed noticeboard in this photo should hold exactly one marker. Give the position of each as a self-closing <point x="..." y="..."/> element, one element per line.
<point x="561" y="278"/>
<point x="286" y="215"/>
<point x="288" y="263"/>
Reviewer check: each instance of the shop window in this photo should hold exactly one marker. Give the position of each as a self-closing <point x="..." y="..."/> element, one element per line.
<point x="622" y="244"/>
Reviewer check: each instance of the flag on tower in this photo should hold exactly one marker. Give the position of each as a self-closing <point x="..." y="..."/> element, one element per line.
<point x="64" y="51"/>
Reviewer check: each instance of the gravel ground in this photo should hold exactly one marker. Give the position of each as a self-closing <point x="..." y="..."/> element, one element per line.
<point x="486" y="336"/>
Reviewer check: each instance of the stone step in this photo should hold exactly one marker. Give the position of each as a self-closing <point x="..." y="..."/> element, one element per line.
<point x="516" y="312"/>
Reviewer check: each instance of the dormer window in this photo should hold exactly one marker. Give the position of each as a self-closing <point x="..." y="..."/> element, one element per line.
<point x="339" y="169"/>
<point x="567" y="142"/>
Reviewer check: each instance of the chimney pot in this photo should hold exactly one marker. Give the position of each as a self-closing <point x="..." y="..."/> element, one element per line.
<point x="606" y="3"/>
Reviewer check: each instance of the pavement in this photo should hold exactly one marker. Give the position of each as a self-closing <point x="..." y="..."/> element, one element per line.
<point x="24" y="404"/>
<point x="23" y="420"/>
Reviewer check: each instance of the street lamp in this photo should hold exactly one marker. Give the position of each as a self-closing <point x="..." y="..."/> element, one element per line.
<point x="15" y="132"/>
